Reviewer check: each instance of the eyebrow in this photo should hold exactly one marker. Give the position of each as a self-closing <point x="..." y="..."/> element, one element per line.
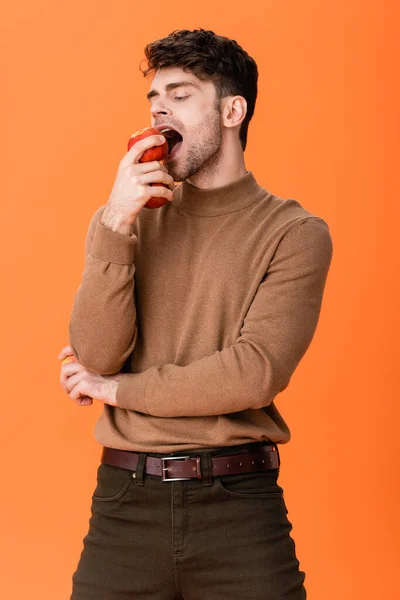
<point x="172" y="86"/>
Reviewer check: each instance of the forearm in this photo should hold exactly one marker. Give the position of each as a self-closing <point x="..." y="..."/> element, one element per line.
<point x="102" y="328"/>
<point x="275" y="335"/>
<point x="235" y="379"/>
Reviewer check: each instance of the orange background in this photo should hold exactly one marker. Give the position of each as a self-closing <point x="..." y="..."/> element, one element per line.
<point x="325" y="132"/>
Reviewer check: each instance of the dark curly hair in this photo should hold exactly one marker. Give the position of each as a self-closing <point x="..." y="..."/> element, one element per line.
<point x="209" y="57"/>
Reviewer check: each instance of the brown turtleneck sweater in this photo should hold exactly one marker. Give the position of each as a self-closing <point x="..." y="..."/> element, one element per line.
<point x="207" y="306"/>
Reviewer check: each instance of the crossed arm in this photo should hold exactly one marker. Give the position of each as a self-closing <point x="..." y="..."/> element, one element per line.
<point x="276" y="331"/>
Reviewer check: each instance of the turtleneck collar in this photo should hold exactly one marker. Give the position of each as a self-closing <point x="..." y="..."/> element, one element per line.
<point x="218" y="201"/>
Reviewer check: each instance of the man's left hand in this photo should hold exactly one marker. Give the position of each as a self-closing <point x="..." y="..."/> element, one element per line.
<point x="78" y="382"/>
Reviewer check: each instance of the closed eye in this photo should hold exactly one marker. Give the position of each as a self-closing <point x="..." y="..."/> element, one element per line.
<point x="180" y="97"/>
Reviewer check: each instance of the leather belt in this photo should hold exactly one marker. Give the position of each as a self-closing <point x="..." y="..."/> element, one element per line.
<point x="177" y="468"/>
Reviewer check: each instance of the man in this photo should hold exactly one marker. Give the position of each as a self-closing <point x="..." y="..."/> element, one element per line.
<point x="188" y="322"/>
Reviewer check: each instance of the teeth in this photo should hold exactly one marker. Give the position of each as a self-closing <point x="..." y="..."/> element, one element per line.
<point x="168" y="132"/>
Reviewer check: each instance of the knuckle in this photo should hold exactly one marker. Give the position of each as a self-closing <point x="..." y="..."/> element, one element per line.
<point x="142" y="194"/>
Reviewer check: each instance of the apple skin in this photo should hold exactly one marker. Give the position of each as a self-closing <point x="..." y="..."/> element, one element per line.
<point x="69" y="359"/>
<point x="156" y="153"/>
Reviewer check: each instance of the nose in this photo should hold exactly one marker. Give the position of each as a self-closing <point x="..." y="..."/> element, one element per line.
<point x="159" y="108"/>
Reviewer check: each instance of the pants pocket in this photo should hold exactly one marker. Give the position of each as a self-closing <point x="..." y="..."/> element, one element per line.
<point x="251" y="485"/>
<point x="112" y="483"/>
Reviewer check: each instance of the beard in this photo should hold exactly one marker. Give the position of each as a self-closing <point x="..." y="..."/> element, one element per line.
<point x="203" y="155"/>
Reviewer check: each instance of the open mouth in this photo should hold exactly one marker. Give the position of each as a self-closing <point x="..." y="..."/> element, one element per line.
<point x="174" y="140"/>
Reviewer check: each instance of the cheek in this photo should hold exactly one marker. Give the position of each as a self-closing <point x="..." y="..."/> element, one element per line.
<point x="196" y="117"/>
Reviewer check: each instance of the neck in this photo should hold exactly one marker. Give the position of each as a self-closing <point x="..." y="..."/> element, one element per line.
<point x="222" y="200"/>
<point x="226" y="168"/>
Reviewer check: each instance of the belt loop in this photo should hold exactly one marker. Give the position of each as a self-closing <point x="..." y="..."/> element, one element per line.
<point x="138" y="475"/>
<point x="277" y="450"/>
<point x="206" y="469"/>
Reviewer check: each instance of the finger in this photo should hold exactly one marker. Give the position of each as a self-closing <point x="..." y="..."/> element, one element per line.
<point x="72" y="368"/>
<point x="172" y="185"/>
<point x="66" y="351"/>
<point x="78" y="391"/>
<point x="136" y="152"/>
<point x="157" y="177"/>
<point x="159" y="191"/>
<point x="72" y="381"/>
<point x="84" y="401"/>
<point x="147" y="167"/>
<point x="79" y="397"/>
<point x="67" y="371"/>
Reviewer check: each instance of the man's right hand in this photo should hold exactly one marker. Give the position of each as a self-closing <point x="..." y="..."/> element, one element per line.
<point x="132" y="189"/>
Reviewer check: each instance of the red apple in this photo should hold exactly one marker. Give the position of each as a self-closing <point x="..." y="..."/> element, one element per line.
<point x="156" y="153"/>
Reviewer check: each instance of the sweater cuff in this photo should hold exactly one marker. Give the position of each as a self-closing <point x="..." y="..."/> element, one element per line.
<point x="131" y="391"/>
<point x="112" y="246"/>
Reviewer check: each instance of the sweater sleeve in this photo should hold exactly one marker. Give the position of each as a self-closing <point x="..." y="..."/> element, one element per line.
<point x="275" y="335"/>
<point x="102" y="327"/>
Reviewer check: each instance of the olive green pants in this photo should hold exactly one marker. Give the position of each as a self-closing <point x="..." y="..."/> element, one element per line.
<point x="222" y="538"/>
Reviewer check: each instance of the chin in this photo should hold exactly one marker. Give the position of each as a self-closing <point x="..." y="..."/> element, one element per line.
<point x="184" y="167"/>
<point x="176" y="174"/>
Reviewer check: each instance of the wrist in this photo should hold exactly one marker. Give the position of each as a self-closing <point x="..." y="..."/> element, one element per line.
<point x="111" y="394"/>
<point x="116" y="221"/>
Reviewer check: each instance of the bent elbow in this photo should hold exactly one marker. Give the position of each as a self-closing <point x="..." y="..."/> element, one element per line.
<point x="99" y="365"/>
<point x="270" y="383"/>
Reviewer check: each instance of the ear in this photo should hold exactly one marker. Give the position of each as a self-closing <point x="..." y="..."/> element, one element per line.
<point x="234" y="109"/>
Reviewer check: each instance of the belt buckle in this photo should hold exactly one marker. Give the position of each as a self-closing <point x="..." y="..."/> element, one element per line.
<point x="164" y="469"/>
